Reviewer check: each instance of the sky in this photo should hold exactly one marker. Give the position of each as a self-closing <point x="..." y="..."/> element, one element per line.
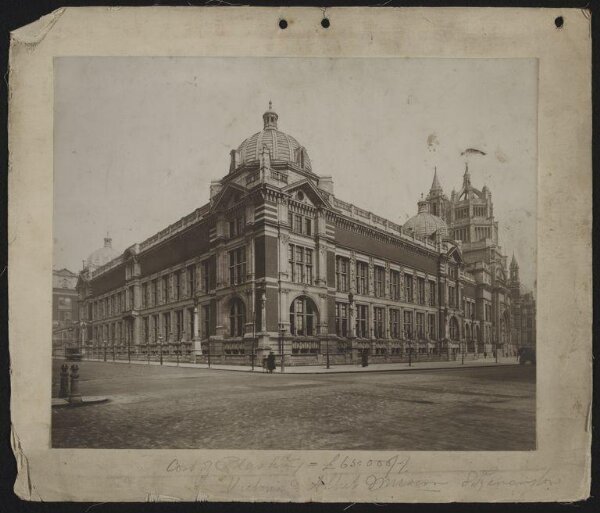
<point x="137" y="140"/>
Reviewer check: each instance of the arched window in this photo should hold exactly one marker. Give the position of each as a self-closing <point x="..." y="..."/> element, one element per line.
<point x="303" y="317"/>
<point x="478" y="333"/>
<point x="454" y="334"/>
<point x="237" y="318"/>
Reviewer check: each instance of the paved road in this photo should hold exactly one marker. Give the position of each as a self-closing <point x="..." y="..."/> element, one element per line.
<point x="169" y="407"/>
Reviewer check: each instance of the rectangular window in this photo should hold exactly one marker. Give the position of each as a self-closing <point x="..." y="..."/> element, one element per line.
<point x="164" y="284"/>
<point x="237" y="266"/>
<point x="408" y="288"/>
<point x="362" y="278"/>
<point x="146" y="329"/>
<point x="408" y="324"/>
<point x="421" y="290"/>
<point x="341" y="319"/>
<point x="166" y="326"/>
<point x="236" y="226"/>
<point x="432" y="293"/>
<point x="190" y="324"/>
<point x="394" y="323"/>
<point x="420" y="324"/>
<point x="342" y="266"/>
<point x="205" y="321"/>
<point x="379" y="277"/>
<point x="301" y="264"/>
<point x="378" y="322"/>
<point x="432" y="330"/>
<point x="144" y="295"/>
<point x="131" y="298"/>
<point x="177" y="285"/>
<point x="205" y="277"/>
<point x="395" y="285"/>
<point x="191" y="276"/>
<point x="178" y="325"/>
<point x="300" y="223"/>
<point x="361" y="321"/>
<point x="155" y="328"/>
<point x="152" y="301"/>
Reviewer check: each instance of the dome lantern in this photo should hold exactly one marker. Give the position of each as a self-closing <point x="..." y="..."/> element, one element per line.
<point x="270" y="118"/>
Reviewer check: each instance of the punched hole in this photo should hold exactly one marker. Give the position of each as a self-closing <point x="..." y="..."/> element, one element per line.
<point x="282" y="24"/>
<point x="559" y="22"/>
<point x="325" y="23"/>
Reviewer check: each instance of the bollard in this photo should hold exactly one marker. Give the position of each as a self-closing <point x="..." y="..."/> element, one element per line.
<point x="64" y="381"/>
<point x="74" y="395"/>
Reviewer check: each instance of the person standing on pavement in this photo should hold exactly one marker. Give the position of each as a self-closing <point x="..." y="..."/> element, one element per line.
<point x="271" y="362"/>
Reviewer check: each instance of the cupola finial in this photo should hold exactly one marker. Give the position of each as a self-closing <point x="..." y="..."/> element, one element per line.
<point x="270" y="117"/>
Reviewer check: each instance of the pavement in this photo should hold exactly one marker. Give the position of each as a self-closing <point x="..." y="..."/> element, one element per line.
<point x="169" y="407"/>
<point x="322" y="369"/>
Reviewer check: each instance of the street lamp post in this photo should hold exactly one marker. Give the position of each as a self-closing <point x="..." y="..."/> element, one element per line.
<point x="281" y="335"/>
<point x="407" y="336"/>
<point x="178" y="351"/>
<point x="104" y="350"/>
<point x="113" y="349"/>
<point x="327" y="353"/>
<point x="160" y="348"/>
<point x="129" y="350"/>
<point x="252" y="354"/>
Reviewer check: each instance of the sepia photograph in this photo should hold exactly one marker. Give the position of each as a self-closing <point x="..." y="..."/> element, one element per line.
<point x="294" y="253"/>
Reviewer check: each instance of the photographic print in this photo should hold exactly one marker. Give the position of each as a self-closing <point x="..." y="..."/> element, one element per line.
<point x="294" y="253"/>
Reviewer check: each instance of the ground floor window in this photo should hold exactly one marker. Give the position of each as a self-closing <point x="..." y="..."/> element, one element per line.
<point x="361" y="321"/>
<point x="378" y="322"/>
<point x="394" y="323"/>
<point x="408" y="324"/>
<point x="237" y="318"/>
<point x="341" y="319"/>
<point x="454" y="333"/>
<point x="303" y="313"/>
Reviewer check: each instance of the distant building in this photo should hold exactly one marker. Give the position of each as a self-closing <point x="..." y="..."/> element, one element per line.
<point x="276" y="262"/>
<point x="523" y="310"/>
<point x="65" y="309"/>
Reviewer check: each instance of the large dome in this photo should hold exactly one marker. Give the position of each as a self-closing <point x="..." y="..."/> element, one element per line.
<point x="102" y="255"/>
<point x="425" y="224"/>
<point x="282" y="147"/>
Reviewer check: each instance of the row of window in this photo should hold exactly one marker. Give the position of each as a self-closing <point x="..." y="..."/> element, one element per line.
<point x="399" y="327"/>
<point x="112" y="305"/>
<point x="398" y="281"/>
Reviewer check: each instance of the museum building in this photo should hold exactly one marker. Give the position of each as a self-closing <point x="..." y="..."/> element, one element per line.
<point x="276" y="262"/>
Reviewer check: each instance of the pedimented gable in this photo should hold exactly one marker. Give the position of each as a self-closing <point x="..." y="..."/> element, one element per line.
<point x="228" y="197"/>
<point x="305" y="192"/>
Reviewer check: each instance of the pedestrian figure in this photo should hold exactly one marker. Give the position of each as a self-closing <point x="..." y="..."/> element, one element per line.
<point x="365" y="358"/>
<point x="271" y="362"/>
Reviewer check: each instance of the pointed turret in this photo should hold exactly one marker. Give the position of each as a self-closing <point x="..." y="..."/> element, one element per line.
<point x="513" y="262"/>
<point x="435" y="186"/>
<point x="466" y="178"/>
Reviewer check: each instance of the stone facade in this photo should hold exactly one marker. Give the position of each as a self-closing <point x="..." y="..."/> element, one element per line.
<point x="276" y="262"/>
<point x="65" y="309"/>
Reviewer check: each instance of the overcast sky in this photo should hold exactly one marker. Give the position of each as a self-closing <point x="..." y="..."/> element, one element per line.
<point x="138" y="140"/>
